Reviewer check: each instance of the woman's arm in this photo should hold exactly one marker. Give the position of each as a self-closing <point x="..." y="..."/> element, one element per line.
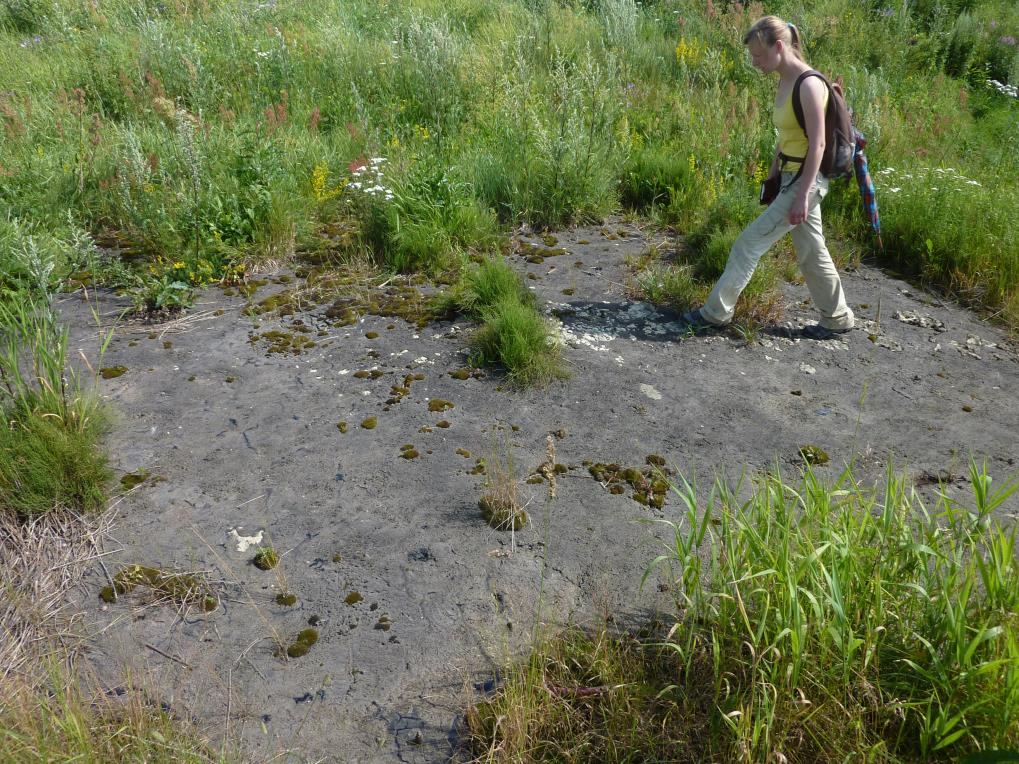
<point x="812" y="92"/>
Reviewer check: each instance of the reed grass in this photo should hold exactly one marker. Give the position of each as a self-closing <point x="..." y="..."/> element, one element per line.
<point x="815" y="621"/>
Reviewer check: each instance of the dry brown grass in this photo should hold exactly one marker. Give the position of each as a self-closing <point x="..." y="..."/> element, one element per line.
<point x="40" y="562"/>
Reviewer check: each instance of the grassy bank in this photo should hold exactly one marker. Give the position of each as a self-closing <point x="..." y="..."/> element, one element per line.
<point x="199" y="139"/>
<point x="814" y="621"/>
<point x="53" y="483"/>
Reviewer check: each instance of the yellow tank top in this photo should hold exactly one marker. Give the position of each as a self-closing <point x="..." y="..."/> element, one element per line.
<point x="792" y="139"/>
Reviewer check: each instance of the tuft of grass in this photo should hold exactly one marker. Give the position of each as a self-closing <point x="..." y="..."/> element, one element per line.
<point x="63" y="723"/>
<point x="517" y="337"/>
<point x="45" y="465"/>
<point x="672" y="286"/>
<point x="815" y="621"/>
<point x="583" y="697"/>
<point x="50" y="426"/>
<point x="500" y="504"/>
<point x="492" y="282"/>
<point x="513" y="334"/>
<point x="266" y="558"/>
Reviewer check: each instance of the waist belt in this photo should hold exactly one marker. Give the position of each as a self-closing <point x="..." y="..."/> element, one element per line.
<point x="786" y="158"/>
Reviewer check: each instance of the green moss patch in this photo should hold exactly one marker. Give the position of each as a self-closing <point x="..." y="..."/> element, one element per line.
<point x="180" y="588"/>
<point x="112" y="372"/>
<point x="650" y="484"/>
<point x="814" y="455"/>
<point x="300" y="646"/>
<point x="266" y="558"/>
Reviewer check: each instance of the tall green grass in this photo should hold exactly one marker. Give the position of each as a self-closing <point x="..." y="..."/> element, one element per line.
<point x="68" y="724"/>
<point x="202" y="139"/>
<point x="50" y="422"/>
<point x="815" y="621"/>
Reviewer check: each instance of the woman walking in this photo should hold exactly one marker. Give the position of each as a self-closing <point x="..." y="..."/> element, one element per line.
<point x="774" y="46"/>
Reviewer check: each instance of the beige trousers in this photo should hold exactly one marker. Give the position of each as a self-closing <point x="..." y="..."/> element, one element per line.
<point x="811" y="255"/>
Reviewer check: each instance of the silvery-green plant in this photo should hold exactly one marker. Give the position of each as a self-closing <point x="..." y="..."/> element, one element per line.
<point x="620" y="20"/>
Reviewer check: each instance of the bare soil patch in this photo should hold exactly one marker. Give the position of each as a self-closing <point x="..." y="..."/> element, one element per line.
<point x="414" y="598"/>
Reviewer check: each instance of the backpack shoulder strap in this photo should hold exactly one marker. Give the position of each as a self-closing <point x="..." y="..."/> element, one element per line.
<point x="797" y="105"/>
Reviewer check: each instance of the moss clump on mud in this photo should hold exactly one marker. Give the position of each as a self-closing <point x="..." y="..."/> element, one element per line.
<point x="444" y="424"/>
<point x="438" y="405"/>
<point x="305" y="639"/>
<point x="368" y="373"/>
<point x="286" y="599"/>
<point x="649" y="485"/>
<point x="502" y="513"/>
<point x="529" y="251"/>
<point x="180" y="588"/>
<point x="464" y="453"/>
<point x="369" y="423"/>
<point x="283" y="343"/>
<point x="131" y="479"/>
<point x="409" y="452"/>
<point x="342" y="427"/>
<point x="112" y="372"/>
<point x="353" y="598"/>
<point x="460" y="374"/>
<point x="814" y="455"/>
<point x="266" y="558"/>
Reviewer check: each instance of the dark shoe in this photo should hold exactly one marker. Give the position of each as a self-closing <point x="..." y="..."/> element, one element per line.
<point x="820" y="333"/>
<point x="694" y="321"/>
<point x="788" y="330"/>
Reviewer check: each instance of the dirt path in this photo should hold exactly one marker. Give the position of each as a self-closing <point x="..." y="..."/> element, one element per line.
<point x="242" y="443"/>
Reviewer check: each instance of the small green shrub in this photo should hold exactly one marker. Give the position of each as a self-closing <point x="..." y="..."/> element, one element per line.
<point x="516" y="337"/>
<point x="151" y="294"/>
<point x="45" y="465"/>
<point x="266" y="558"/>
<point x="492" y="282"/>
<point x="672" y="286"/>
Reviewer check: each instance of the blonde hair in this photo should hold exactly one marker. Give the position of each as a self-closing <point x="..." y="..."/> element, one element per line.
<point x="769" y="30"/>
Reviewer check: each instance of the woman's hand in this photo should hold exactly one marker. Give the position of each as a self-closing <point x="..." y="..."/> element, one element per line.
<point x="798" y="212"/>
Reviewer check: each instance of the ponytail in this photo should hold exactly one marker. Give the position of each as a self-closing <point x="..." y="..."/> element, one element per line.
<point x="794" y="38"/>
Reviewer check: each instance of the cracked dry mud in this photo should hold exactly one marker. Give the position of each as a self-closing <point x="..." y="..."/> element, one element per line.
<point x="416" y="601"/>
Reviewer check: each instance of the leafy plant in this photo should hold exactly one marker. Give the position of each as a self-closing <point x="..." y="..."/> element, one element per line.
<point x="166" y="293"/>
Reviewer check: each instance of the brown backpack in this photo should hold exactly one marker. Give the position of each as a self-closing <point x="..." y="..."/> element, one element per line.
<point x="839" y="133"/>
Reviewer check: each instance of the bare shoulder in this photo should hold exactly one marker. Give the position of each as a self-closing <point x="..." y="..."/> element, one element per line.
<point x="812" y="90"/>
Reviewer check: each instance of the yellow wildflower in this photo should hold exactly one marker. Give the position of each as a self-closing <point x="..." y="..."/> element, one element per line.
<point x="689" y="53"/>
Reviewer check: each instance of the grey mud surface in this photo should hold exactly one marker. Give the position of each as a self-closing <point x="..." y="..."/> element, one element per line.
<point x="261" y="456"/>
